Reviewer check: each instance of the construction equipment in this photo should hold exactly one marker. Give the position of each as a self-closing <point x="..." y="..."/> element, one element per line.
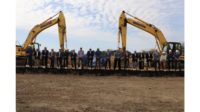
<point x="60" y="20"/>
<point x="161" y="41"/>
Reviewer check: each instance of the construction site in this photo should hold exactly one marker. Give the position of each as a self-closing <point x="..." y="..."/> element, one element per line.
<point x="115" y="80"/>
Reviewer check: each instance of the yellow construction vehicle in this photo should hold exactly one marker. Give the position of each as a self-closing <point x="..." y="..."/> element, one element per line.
<point x="161" y="41"/>
<point x="30" y="40"/>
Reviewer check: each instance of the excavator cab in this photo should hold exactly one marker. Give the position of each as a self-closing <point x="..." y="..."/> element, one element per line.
<point x="36" y="45"/>
<point x="21" y="60"/>
<point x="173" y="46"/>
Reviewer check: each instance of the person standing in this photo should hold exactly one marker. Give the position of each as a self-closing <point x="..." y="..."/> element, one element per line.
<point x="29" y="51"/>
<point x="135" y="60"/>
<point x="73" y="58"/>
<point x="117" y="60"/>
<point x="60" y="58"/>
<point x="37" y="57"/>
<point x="66" y="57"/>
<point x="141" y="61"/>
<point x="156" y="57"/>
<point x="98" y="58"/>
<point x="108" y="55"/>
<point x="170" y="59"/>
<point x="126" y="60"/>
<point x="80" y="58"/>
<point x="163" y="59"/>
<point x="149" y="58"/>
<point x="90" y="55"/>
<point x="33" y="57"/>
<point x="45" y="54"/>
<point x="176" y="59"/>
<point x="52" y="58"/>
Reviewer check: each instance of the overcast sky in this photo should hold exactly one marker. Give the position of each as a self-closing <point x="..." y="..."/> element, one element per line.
<point x="94" y="23"/>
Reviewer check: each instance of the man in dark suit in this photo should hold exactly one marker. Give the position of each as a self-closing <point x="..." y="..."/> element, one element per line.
<point x="176" y="59"/>
<point x="117" y="60"/>
<point x="98" y="59"/>
<point x="45" y="54"/>
<point x="73" y="58"/>
<point x="141" y="61"/>
<point x="52" y="58"/>
<point x="108" y="55"/>
<point x="66" y="57"/>
<point x="156" y="59"/>
<point x="135" y="60"/>
<point x="149" y="58"/>
<point x="29" y="51"/>
<point x="126" y="59"/>
<point x="60" y="58"/>
<point x="90" y="55"/>
<point x="170" y="60"/>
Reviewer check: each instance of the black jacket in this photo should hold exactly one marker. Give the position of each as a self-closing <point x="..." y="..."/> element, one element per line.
<point x="170" y="57"/>
<point x="134" y="56"/>
<point x="73" y="56"/>
<point x="60" y="55"/>
<point x="45" y="53"/>
<point x="90" y="54"/>
<point x="149" y="56"/>
<point x="141" y="56"/>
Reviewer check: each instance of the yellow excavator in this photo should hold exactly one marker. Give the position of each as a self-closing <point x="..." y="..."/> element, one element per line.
<point x="161" y="41"/>
<point x="30" y="40"/>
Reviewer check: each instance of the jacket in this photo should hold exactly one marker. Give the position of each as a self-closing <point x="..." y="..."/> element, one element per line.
<point x="98" y="54"/>
<point x="73" y="56"/>
<point x="90" y="54"/>
<point x="45" y="53"/>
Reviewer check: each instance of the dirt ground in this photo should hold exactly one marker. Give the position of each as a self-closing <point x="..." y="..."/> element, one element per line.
<point x="72" y="93"/>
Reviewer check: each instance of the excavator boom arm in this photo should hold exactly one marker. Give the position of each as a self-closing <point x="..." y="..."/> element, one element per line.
<point x="123" y="20"/>
<point x="44" y="25"/>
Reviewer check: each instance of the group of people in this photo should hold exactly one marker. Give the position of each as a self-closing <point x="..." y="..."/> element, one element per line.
<point x="166" y="60"/>
<point x="107" y="59"/>
<point x="45" y="58"/>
